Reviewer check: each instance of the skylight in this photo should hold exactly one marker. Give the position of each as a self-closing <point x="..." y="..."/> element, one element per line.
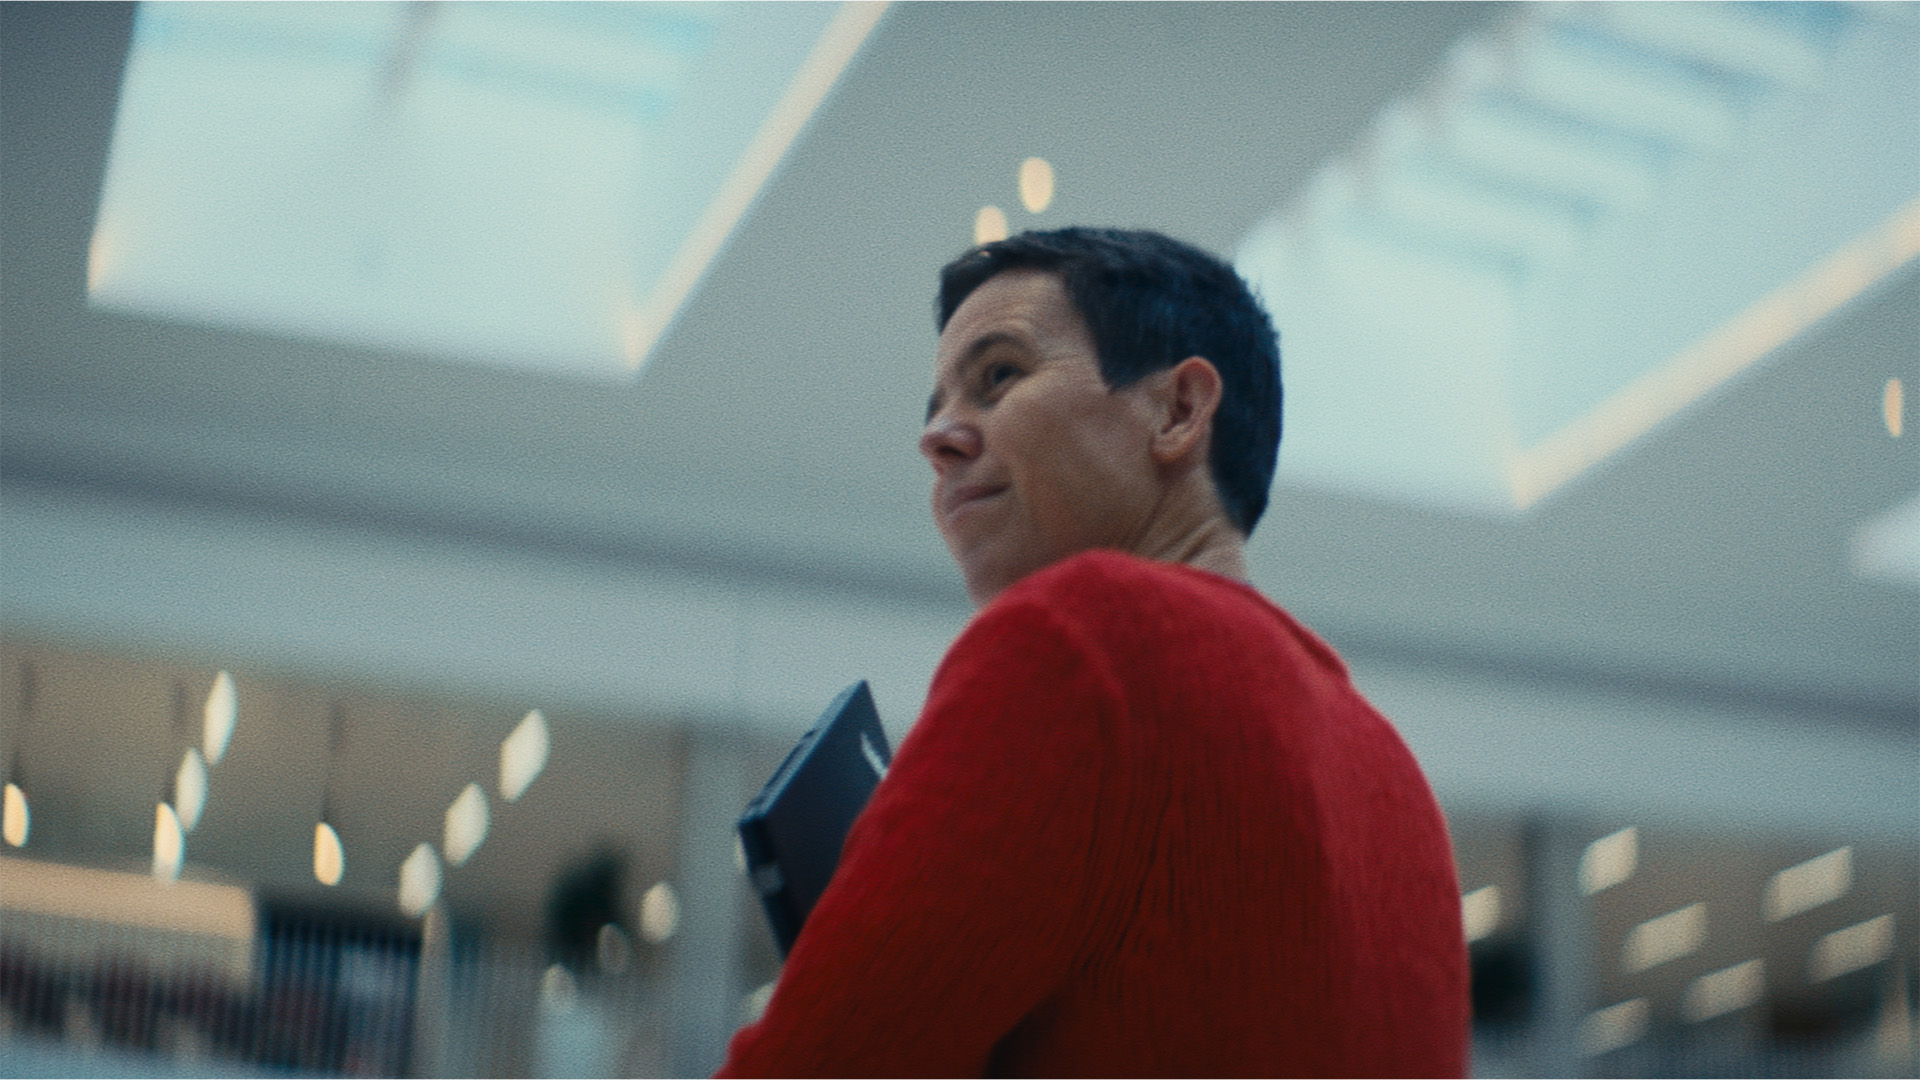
<point x="527" y="184"/>
<point x="1587" y="221"/>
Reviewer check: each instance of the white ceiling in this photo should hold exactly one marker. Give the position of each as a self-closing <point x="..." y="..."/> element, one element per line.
<point x="771" y="438"/>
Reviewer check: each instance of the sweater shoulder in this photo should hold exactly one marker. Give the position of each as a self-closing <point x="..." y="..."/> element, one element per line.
<point x="1110" y="594"/>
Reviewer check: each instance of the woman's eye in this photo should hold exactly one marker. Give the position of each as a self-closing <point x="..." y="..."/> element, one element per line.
<point x="1000" y="373"/>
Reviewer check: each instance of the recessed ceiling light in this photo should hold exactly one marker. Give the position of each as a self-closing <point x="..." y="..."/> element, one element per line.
<point x="1036" y="184"/>
<point x="15" y="817"/>
<point x="329" y="858"/>
<point x="989" y="224"/>
<point x="1669" y="937"/>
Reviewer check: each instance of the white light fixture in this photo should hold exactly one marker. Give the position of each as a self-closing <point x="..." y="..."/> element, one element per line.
<point x="989" y="225"/>
<point x="15" y="818"/>
<point x="466" y="825"/>
<point x="1844" y="951"/>
<point x="222" y="711"/>
<point x="169" y="843"/>
<point x="1609" y="860"/>
<point x="557" y="990"/>
<point x="1720" y="992"/>
<point x="1807" y="885"/>
<point x="1036" y="184"/>
<point x="190" y="788"/>
<point x="1480" y="912"/>
<point x="1669" y="937"/>
<point x="329" y="857"/>
<point x="659" y="913"/>
<point x="1614" y="1027"/>
<point x="612" y="950"/>
<point x="419" y="881"/>
<point x="523" y="754"/>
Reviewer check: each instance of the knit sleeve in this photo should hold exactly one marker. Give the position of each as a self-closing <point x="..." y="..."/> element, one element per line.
<point x="960" y="901"/>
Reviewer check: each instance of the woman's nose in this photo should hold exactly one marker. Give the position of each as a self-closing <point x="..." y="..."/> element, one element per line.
<point x="948" y="440"/>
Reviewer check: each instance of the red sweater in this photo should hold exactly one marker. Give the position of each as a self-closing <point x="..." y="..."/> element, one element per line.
<point x="1145" y="826"/>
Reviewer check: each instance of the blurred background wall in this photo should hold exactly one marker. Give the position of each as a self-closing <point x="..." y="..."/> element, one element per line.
<point x="448" y="452"/>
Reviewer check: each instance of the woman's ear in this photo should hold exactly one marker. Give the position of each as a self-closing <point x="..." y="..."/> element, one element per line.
<point x="1190" y="395"/>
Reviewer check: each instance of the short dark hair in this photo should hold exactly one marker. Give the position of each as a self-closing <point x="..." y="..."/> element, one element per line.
<point x="1151" y="302"/>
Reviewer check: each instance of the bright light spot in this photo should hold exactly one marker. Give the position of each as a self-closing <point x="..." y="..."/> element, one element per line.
<point x="1808" y="885"/>
<point x="613" y="950"/>
<point x="989" y="225"/>
<point x="466" y="825"/>
<point x="1668" y="937"/>
<point x="169" y="843"/>
<point x="15" y="819"/>
<point x="557" y="991"/>
<point x="522" y="755"/>
<point x="1860" y="945"/>
<point x="190" y="788"/>
<point x="1609" y="860"/>
<point x="100" y="253"/>
<point x="659" y="913"/>
<point x="755" y="1005"/>
<point x="1723" y="991"/>
<point x="1036" y="184"/>
<point x="419" y="880"/>
<point x="1893" y="404"/>
<point x="1480" y="912"/>
<point x="1614" y="1027"/>
<point x="739" y="854"/>
<point x="222" y="708"/>
<point x="329" y="858"/>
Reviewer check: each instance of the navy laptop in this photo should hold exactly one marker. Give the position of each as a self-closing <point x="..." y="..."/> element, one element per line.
<point x="793" y="830"/>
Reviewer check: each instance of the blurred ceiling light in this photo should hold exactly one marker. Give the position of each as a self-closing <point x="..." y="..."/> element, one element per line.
<point x="754" y="1006"/>
<point x="612" y="951"/>
<point x="329" y="858"/>
<point x="1858" y="946"/>
<point x="190" y="788"/>
<point x="523" y="754"/>
<point x="1893" y="406"/>
<point x="466" y="825"/>
<point x="989" y="225"/>
<point x="15" y="818"/>
<point x="1480" y="912"/>
<point x="275" y="166"/>
<point x="222" y="710"/>
<point x="169" y="843"/>
<point x="557" y="990"/>
<point x="1036" y="184"/>
<point x="1807" y="885"/>
<point x="1609" y="860"/>
<point x="419" y="880"/>
<point x="659" y="913"/>
<point x="1669" y="937"/>
<point x="1720" y="992"/>
<point x="1614" y="1027"/>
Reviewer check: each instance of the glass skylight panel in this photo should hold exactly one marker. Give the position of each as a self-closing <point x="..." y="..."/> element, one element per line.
<point x="505" y="183"/>
<point x="1583" y="224"/>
